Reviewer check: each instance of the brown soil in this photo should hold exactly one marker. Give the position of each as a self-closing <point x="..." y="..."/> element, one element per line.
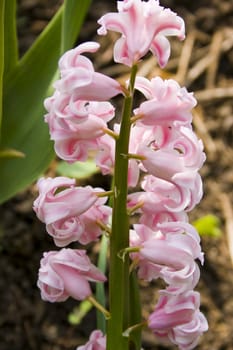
<point x="204" y="64"/>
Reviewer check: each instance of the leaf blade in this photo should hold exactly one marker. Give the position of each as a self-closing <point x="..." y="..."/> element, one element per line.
<point x="2" y="12"/>
<point x="22" y="125"/>
<point x="10" y="37"/>
<point x="74" y="14"/>
<point x="77" y="170"/>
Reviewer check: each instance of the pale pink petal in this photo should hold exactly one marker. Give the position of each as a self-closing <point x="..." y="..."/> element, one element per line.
<point x="160" y="47"/>
<point x="66" y="274"/>
<point x="71" y="58"/>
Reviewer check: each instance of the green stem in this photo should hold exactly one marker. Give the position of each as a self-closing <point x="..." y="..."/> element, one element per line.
<point x="119" y="240"/>
<point x="99" y="306"/>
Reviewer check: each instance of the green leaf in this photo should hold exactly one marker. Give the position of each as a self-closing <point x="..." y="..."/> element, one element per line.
<point x="135" y="311"/>
<point x="2" y="11"/>
<point x="77" y="170"/>
<point x="74" y="14"/>
<point x="23" y="126"/>
<point x="208" y="225"/>
<point x="100" y="291"/>
<point x="10" y="37"/>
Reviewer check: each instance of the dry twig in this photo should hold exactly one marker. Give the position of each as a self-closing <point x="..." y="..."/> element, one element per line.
<point x="202" y="131"/>
<point x="214" y="93"/>
<point x="228" y="214"/>
<point x="185" y="57"/>
<point x="215" y="52"/>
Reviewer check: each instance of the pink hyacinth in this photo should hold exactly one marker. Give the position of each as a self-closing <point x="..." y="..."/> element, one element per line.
<point x="105" y="156"/>
<point x="176" y="162"/>
<point x="172" y="155"/>
<point x="97" y="341"/>
<point x="73" y="142"/>
<point x="75" y="126"/>
<point x="173" y="141"/>
<point x="164" y="197"/>
<point x="170" y="256"/>
<point x="182" y="196"/>
<point x="58" y="198"/>
<point x="70" y="213"/>
<point x="177" y="319"/>
<point x="144" y="26"/>
<point x="67" y="273"/>
<point x="167" y="102"/>
<point x="62" y="107"/>
<point x="79" y="79"/>
<point x="89" y="219"/>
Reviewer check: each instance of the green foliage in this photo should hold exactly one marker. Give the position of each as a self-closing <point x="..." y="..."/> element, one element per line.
<point x="208" y="225"/>
<point x="25" y="149"/>
<point x="2" y="10"/>
<point x="100" y="292"/>
<point x="77" y="170"/>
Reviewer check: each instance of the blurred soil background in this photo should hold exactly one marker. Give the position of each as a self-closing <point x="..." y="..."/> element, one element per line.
<point x="204" y="63"/>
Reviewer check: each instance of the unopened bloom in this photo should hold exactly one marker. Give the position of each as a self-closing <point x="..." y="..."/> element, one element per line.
<point x="70" y="213"/>
<point x="144" y="27"/>
<point x="97" y="341"/>
<point x="177" y="319"/>
<point x="67" y="273"/>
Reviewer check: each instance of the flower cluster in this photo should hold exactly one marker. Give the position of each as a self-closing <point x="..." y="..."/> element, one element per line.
<point x="78" y="111"/>
<point x="165" y="157"/>
<point x="71" y="214"/>
<point x="168" y="246"/>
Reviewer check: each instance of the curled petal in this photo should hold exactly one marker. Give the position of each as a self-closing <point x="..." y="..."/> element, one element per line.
<point x="71" y="58"/>
<point x="73" y="150"/>
<point x="160" y="47"/>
